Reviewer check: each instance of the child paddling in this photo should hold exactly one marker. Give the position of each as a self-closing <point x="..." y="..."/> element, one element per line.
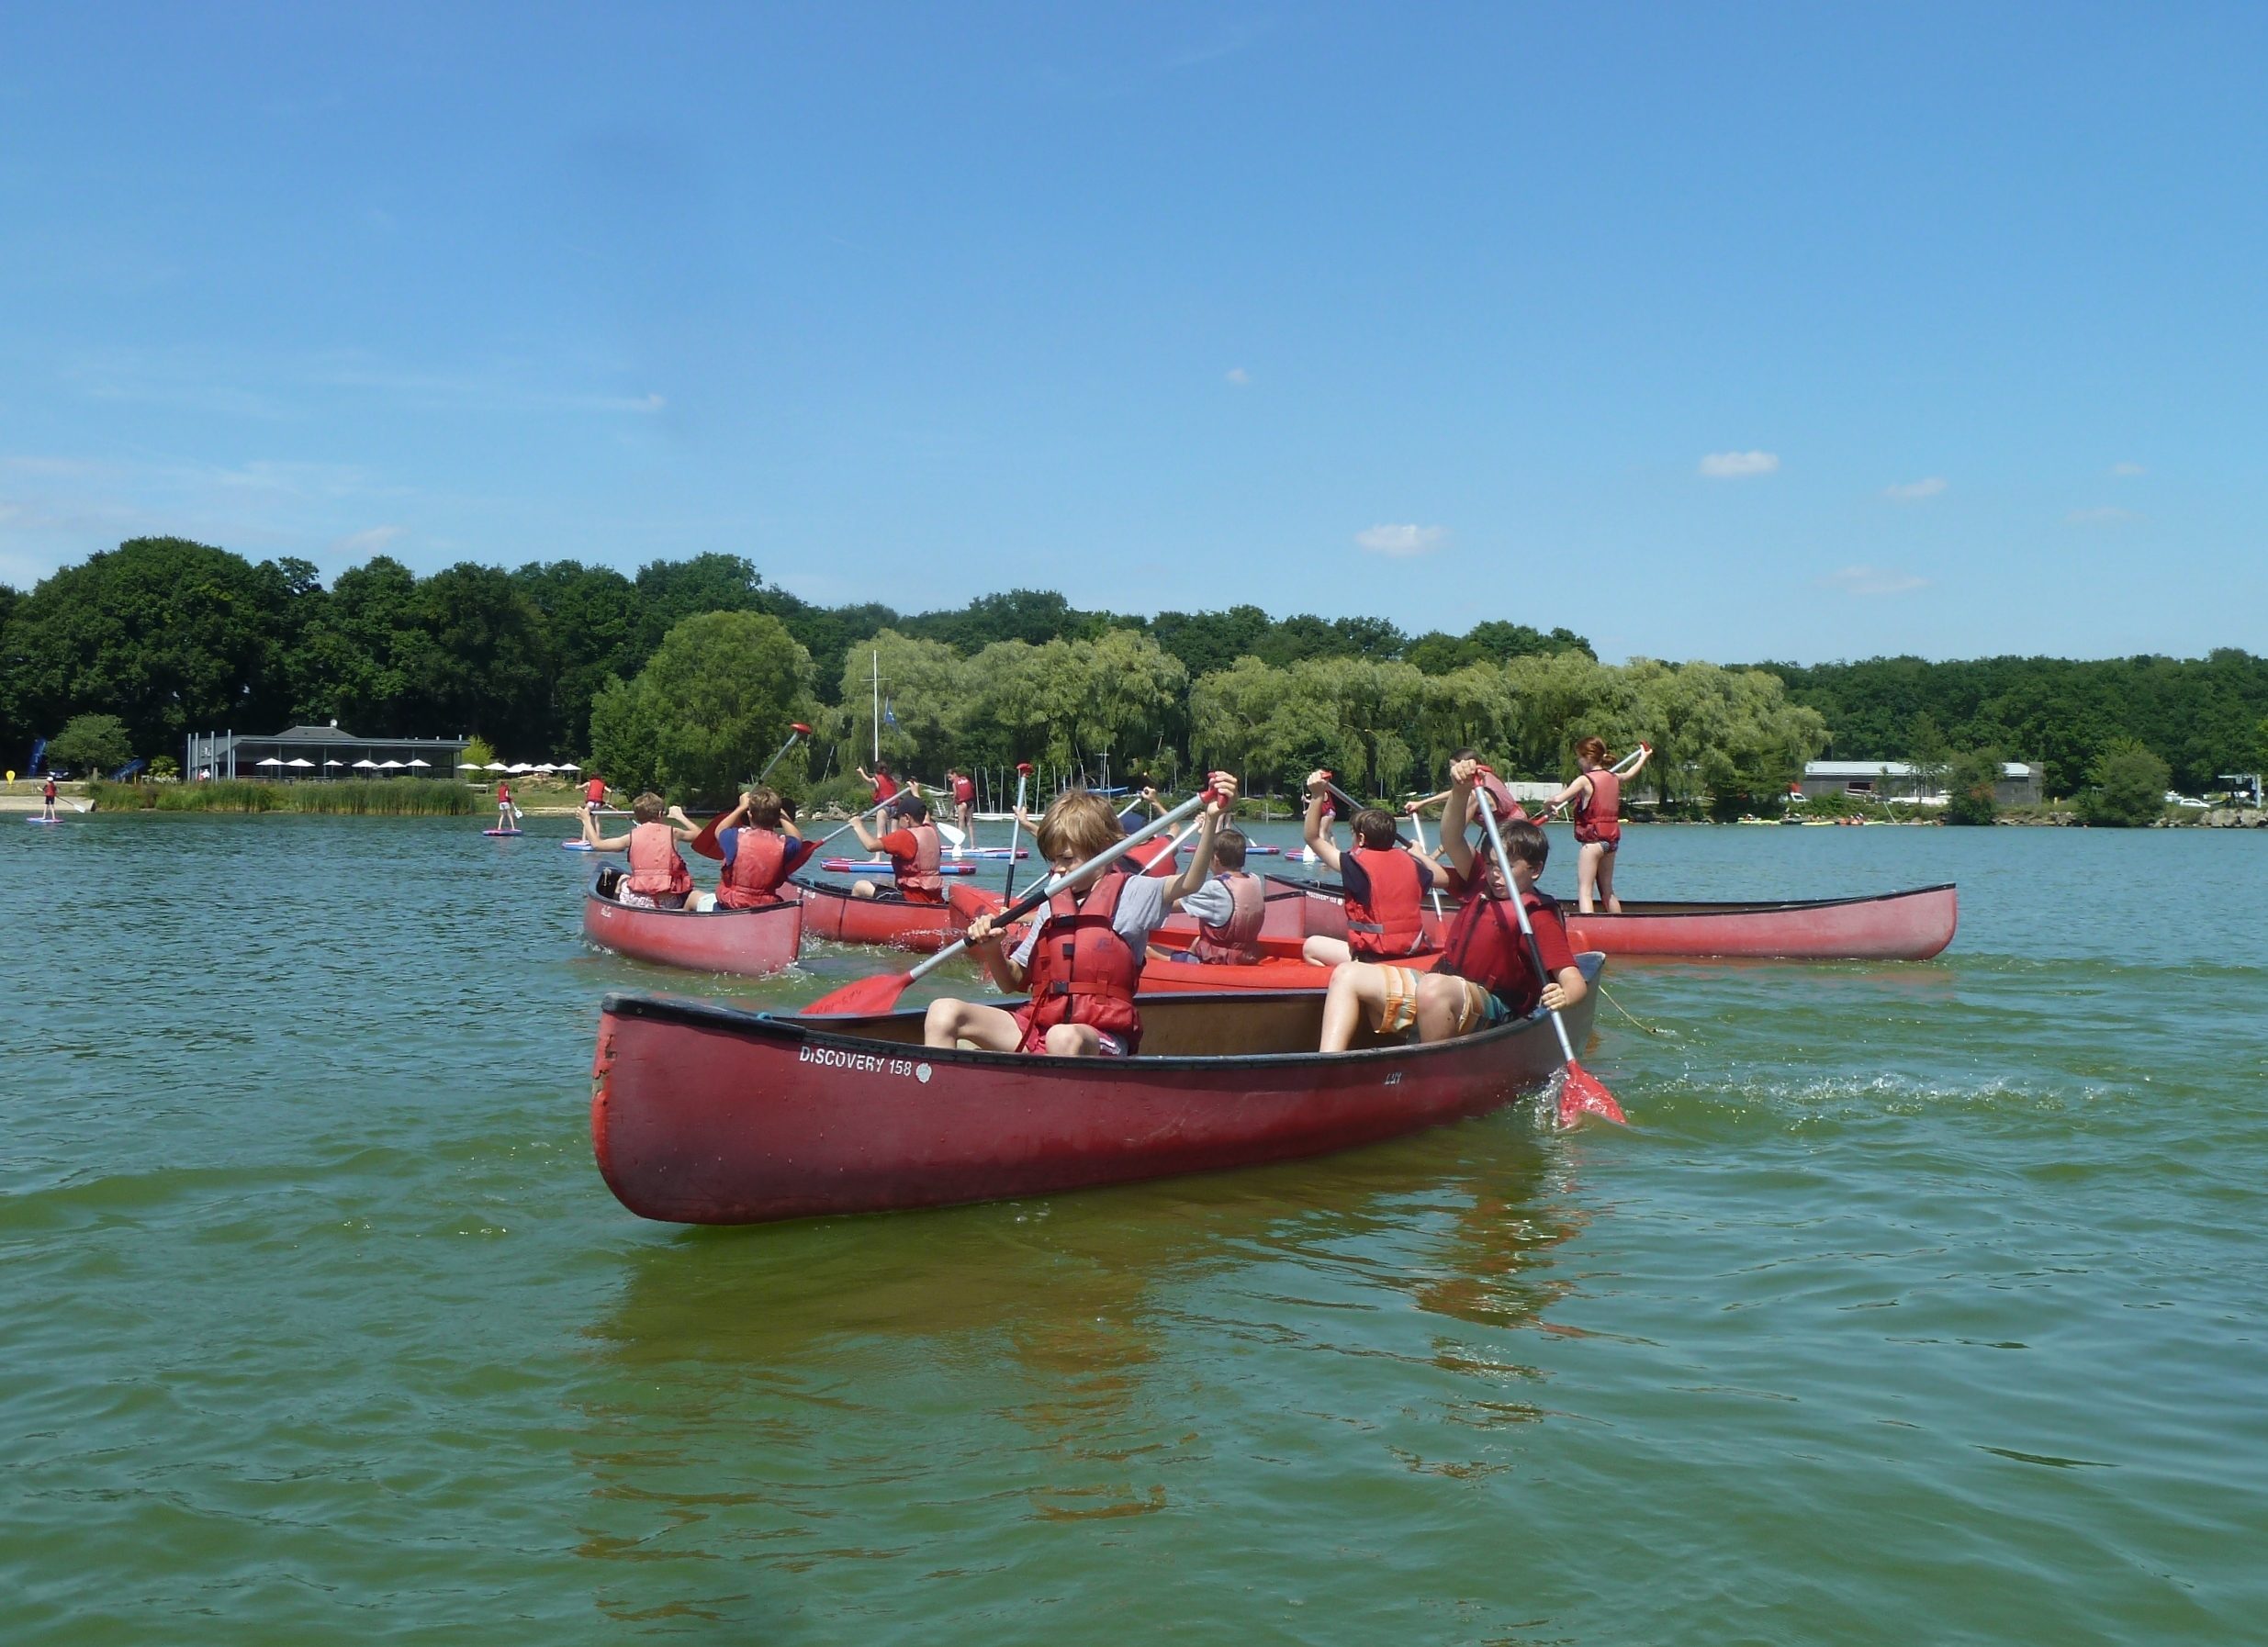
<point x="761" y="847"/>
<point x="1385" y="884"/>
<point x="1597" y="797"/>
<point x="1233" y="941"/>
<point x="915" y="849"/>
<point x="1487" y="973"/>
<point x="1082" y="958"/>
<point x="657" y="878"/>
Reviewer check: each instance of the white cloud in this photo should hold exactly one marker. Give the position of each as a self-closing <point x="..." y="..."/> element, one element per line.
<point x="2127" y="471"/>
<point x="1873" y="580"/>
<point x="1739" y="465"/>
<point x="361" y="545"/>
<point x="2107" y="514"/>
<point x="1238" y="376"/>
<point x="1401" y="540"/>
<point x="1915" y="491"/>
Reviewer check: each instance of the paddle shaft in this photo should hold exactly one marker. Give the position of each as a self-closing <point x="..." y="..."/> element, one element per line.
<point x="1015" y="822"/>
<point x="793" y="736"/>
<point x="1355" y="806"/>
<point x="1520" y="908"/>
<point x="1056" y="883"/>
<point x="1418" y="824"/>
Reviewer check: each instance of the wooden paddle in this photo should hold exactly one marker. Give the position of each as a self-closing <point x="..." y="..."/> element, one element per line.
<point x="879" y="994"/>
<point x="1581" y="1093"/>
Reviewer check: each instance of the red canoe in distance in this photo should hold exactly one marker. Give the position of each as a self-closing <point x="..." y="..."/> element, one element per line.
<point x="707" y="1114"/>
<point x="1910" y="925"/>
<point x="750" y="942"/>
<point x="886" y="919"/>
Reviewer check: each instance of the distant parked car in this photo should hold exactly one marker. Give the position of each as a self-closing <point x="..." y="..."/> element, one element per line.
<point x="2178" y="800"/>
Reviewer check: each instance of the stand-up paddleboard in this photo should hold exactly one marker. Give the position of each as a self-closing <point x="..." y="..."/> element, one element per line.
<point x="846" y="866"/>
<point x="43" y="820"/>
<point x="503" y="831"/>
<point x="577" y="846"/>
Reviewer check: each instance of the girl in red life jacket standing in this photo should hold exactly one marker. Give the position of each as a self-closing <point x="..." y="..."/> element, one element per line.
<point x="47" y="799"/>
<point x="507" y="815"/>
<point x="1082" y="958"/>
<point x="963" y="789"/>
<point x="1596" y="799"/>
<point x="914" y="849"/>
<point x="1487" y="973"/>
<point x="762" y="847"/>
<point x="657" y="878"/>
<point x="885" y="785"/>
<point x="1385" y="884"/>
<point x="1234" y="942"/>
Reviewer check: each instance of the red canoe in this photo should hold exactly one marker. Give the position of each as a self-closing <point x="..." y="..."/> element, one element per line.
<point x="748" y="941"/>
<point x="707" y="1114"/>
<point x="1280" y="968"/>
<point x="830" y="912"/>
<point x="1912" y="925"/>
<point x="1287" y="901"/>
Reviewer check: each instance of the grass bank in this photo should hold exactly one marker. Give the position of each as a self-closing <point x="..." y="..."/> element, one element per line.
<point x="394" y="797"/>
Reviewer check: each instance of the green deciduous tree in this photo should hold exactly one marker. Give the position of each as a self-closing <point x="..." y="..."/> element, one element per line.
<point x="90" y="745"/>
<point x="709" y="708"/>
<point x="1970" y="788"/>
<point x="2129" y="786"/>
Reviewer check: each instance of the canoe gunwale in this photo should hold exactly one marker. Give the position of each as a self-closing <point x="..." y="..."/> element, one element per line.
<point x="797" y="1028"/>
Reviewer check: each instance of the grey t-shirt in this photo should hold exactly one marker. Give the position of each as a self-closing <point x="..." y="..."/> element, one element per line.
<point x="1141" y="911"/>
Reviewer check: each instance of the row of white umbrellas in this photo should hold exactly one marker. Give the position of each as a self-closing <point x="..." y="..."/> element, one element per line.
<point x="403" y="765"/>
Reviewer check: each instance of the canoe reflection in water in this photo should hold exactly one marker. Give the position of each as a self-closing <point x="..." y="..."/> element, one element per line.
<point x="746" y="1431"/>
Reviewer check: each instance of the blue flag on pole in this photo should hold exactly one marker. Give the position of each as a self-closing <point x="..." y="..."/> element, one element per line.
<point x="889" y="716"/>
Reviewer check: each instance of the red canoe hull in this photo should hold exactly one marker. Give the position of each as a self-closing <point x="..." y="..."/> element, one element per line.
<point x="706" y="1114"/>
<point x="890" y="920"/>
<point x="750" y="942"/>
<point x="1911" y="925"/>
<point x="1280" y="968"/>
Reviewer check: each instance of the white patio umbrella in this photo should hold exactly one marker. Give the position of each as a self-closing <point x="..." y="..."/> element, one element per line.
<point x="389" y="765"/>
<point x="545" y="766"/>
<point x="420" y="763"/>
<point x="496" y="766"/>
<point x="566" y="765"/>
<point x="520" y="766"/>
<point x="366" y="764"/>
<point x="300" y="761"/>
<point x="468" y="765"/>
<point x="329" y="762"/>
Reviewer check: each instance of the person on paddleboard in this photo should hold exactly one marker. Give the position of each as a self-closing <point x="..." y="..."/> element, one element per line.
<point x="507" y="815"/>
<point x="47" y="799"/>
<point x="1234" y="942"/>
<point x="1385" y="884"/>
<point x="594" y="794"/>
<point x="1596" y="800"/>
<point x="964" y="790"/>
<point x="1082" y="960"/>
<point x="914" y="849"/>
<point x="885" y="785"/>
<point x="761" y="849"/>
<point x="1487" y="973"/>
<point x="657" y="878"/>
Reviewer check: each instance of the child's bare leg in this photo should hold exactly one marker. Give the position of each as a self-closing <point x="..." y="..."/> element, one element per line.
<point x="949" y="1022"/>
<point x="862" y="889"/>
<point x="1357" y="990"/>
<point x="1587" y="877"/>
<point x="1606" y="881"/>
<point x="1327" y="952"/>
<point x="1073" y="1040"/>
<point x="1440" y="1003"/>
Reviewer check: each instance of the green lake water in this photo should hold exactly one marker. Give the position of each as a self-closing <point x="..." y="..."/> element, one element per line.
<point x="1922" y="1301"/>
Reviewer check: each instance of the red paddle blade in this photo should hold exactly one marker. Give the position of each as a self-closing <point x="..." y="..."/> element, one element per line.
<point x="861" y="996"/>
<point x="705" y="843"/>
<point x="1581" y="1094"/>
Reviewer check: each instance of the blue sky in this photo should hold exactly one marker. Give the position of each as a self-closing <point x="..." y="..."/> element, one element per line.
<point x="1732" y="331"/>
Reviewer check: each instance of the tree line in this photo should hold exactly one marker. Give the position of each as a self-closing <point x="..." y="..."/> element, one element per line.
<point x="687" y="671"/>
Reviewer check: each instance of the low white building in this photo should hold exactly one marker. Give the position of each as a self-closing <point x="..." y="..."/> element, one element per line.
<point x="2019" y="782"/>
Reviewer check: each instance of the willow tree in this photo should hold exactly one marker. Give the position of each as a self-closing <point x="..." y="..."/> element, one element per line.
<point x="711" y="705"/>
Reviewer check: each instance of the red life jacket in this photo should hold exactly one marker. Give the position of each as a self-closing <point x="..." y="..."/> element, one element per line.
<point x="752" y="880"/>
<point x="1508" y="810"/>
<point x="1601" y="817"/>
<point x="919" y="880"/>
<point x="1235" y="941"/>
<point x="885" y="788"/>
<point x="594" y="792"/>
<point x="964" y="790"/>
<point x="655" y="870"/>
<point x="1081" y="970"/>
<point x="1393" y="922"/>
<point x="1486" y="945"/>
<point x="1154" y="858"/>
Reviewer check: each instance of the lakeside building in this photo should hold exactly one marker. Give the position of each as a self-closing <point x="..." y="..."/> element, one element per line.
<point x="2020" y="783"/>
<point x="318" y="752"/>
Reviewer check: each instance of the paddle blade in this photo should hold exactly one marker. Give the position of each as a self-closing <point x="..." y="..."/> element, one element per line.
<point x="861" y="996"/>
<point x="705" y="843"/>
<point x="1581" y="1094"/>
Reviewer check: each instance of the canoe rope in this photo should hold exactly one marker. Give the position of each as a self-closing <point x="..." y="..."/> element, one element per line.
<point x="1619" y="1007"/>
